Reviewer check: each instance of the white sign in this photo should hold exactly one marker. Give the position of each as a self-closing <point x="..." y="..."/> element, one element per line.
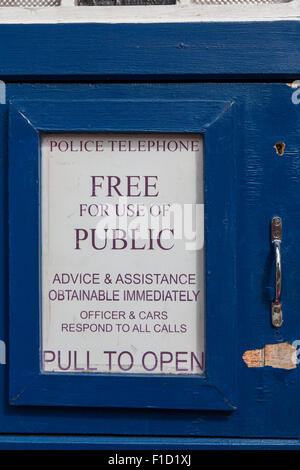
<point x="122" y="253"/>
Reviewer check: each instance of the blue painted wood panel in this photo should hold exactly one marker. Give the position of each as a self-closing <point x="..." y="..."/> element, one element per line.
<point x="268" y="397"/>
<point x="150" y="51"/>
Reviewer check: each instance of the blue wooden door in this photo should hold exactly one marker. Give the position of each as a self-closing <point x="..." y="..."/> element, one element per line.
<point x="251" y="175"/>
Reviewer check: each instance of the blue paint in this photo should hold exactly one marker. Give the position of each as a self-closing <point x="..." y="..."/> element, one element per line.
<point x="267" y="400"/>
<point x="174" y="51"/>
<point x="156" y="444"/>
<point x="28" y="386"/>
<point x="2" y="92"/>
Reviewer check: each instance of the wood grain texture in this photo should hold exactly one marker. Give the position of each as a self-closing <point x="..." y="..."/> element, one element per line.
<point x="121" y="443"/>
<point x="150" y="51"/>
<point x="266" y="116"/>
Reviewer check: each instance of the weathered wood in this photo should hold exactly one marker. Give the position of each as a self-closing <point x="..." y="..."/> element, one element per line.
<point x="150" y="51"/>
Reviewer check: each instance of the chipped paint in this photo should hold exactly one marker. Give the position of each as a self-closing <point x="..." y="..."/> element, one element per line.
<point x="279" y="147"/>
<point x="279" y="356"/>
<point x="295" y="84"/>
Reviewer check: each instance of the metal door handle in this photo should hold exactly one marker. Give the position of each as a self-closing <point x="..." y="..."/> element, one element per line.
<point x="276" y="238"/>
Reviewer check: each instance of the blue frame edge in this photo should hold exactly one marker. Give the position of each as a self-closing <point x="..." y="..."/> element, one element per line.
<point x="28" y="386"/>
<point x="150" y="51"/>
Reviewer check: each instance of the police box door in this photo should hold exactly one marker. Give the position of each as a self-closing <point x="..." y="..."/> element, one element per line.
<point x="153" y="259"/>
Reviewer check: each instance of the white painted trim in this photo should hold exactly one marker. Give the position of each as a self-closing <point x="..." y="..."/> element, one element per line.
<point x="68" y="13"/>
